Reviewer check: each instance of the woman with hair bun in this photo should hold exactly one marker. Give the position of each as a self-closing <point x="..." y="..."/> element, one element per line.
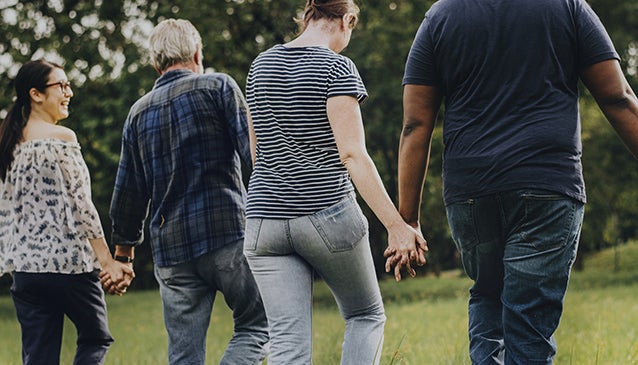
<point x="51" y="238"/>
<point x="308" y="149"/>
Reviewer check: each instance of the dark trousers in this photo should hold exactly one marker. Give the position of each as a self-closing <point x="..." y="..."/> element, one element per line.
<point x="43" y="299"/>
<point x="518" y="247"/>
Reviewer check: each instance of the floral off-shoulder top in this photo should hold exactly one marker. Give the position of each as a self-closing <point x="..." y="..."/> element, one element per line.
<point x="46" y="212"/>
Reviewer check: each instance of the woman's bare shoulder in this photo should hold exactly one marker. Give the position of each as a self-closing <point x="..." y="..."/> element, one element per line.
<point x="43" y="130"/>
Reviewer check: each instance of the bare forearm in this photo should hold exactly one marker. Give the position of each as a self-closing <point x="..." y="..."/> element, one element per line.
<point x="405" y="244"/>
<point x="101" y="250"/>
<point x="370" y="186"/>
<point x="420" y="108"/>
<point x="623" y="116"/>
<point x="116" y="276"/>
<point x="125" y="250"/>
<point x="414" y="155"/>
<point x="608" y="85"/>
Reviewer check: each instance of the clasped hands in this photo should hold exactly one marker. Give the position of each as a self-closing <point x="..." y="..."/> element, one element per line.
<point x="406" y="247"/>
<point x="116" y="277"/>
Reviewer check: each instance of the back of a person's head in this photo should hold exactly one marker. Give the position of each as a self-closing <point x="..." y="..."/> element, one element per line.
<point x="327" y="9"/>
<point x="173" y="41"/>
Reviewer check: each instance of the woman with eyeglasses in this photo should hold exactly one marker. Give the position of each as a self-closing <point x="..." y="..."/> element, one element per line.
<point x="302" y="215"/>
<point x="51" y="236"/>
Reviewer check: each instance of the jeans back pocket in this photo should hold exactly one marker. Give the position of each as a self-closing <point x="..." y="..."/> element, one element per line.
<point x="342" y="225"/>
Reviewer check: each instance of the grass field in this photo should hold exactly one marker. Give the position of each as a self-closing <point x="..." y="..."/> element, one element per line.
<point x="426" y="321"/>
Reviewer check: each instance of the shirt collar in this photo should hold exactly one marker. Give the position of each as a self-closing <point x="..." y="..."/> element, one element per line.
<point x="172" y="75"/>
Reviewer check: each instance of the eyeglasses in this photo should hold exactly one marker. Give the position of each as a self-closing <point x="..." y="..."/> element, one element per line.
<point x="65" y="86"/>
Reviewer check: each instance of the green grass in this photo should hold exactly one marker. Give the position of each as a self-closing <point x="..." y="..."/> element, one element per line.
<point x="427" y="321"/>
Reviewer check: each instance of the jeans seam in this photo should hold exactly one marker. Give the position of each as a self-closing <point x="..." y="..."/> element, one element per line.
<point x="472" y="204"/>
<point x="288" y="234"/>
<point x="502" y="218"/>
<point x="253" y="245"/>
<point x="572" y="213"/>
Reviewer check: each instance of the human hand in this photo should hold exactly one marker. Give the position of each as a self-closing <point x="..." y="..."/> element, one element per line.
<point x="116" y="277"/>
<point x="406" y="246"/>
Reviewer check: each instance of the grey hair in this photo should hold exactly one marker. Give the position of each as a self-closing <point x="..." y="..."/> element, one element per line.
<point x="173" y="41"/>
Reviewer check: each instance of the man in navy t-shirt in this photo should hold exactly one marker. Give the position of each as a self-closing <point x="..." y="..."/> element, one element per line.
<point x="507" y="72"/>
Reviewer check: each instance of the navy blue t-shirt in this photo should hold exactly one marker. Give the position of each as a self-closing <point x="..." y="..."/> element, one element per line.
<point x="508" y="71"/>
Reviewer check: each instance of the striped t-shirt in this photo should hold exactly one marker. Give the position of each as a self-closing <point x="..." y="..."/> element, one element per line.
<point x="297" y="170"/>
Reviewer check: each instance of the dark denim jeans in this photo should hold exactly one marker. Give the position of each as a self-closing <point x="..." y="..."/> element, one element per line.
<point x="41" y="301"/>
<point x="518" y="247"/>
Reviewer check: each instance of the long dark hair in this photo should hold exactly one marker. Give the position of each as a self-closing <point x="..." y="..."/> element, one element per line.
<point x="33" y="74"/>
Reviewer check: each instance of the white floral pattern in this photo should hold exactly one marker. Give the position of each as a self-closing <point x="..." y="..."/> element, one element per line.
<point x="5" y="223"/>
<point x="46" y="211"/>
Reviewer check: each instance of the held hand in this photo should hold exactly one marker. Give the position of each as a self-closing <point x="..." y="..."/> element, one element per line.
<point x="116" y="277"/>
<point x="406" y="246"/>
<point x="398" y="262"/>
<point x="422" y="246"/>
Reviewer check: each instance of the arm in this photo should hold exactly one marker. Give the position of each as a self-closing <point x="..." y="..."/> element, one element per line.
<point x="421" y="105"/>
<point x="119" y="274"/>
<point x="615" y="98"/>
<point x="250" y="95"/>
<point x="128" y="210"/>
<point x="420" y="108"/>
<point x="346" y="122"/>
<point x="86" y="218"/>
<point x="130" y="199"/>
<point x="253" y="140"/>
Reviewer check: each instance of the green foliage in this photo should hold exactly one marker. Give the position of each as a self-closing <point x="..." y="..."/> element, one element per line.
<point x="619" y="259"/>
<point x="615" y="266"/>
<point x="620" y="18"/>
<point x="610" y="172"/>
<point x="102" y="46"/>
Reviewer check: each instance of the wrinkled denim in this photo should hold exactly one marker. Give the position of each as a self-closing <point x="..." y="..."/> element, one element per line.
<point x="188" y="293"/>
<point x="518" y="247"/>
<point x="283" y="253"/>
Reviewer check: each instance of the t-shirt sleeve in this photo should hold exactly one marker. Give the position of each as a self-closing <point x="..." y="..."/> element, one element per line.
<point x="594" y="44"/>
<point x="347" y="81"/>
<point x="420" y="67"/>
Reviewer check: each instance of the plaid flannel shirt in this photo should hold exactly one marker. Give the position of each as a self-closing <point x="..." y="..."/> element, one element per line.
<point x="180" y="164"/>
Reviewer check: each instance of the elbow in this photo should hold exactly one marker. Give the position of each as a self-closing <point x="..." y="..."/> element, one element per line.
<point x="417" y="130"/>
<point x="418" y="125"/>
<point x="622" y="99"/>
<point x="409" y="128"/>
<point x="346" y="158"/>
<point x="350" y="158"/>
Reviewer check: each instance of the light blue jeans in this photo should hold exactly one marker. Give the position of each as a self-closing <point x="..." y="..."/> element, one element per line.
<point x="188" y="292"/>
<point x="518" y="247"/>
<point x="283" y="254"/>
